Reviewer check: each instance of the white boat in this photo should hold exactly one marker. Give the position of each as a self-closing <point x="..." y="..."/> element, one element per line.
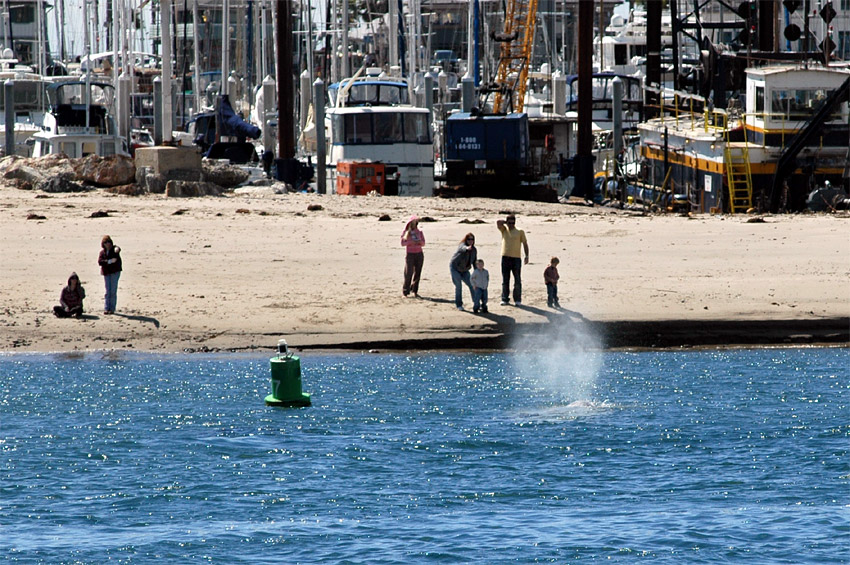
<point x="66" y="129"/>
<point x="30" y="105"/>
<point x="398" y="136"/>
<point x="370" y="119"/>
<point x="623" y="45"/>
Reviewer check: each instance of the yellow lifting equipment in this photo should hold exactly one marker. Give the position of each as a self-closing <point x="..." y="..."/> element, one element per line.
<point x="517" y="42"/>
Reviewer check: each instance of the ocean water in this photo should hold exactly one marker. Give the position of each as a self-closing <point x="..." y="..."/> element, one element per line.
<point x="734" y="456"/>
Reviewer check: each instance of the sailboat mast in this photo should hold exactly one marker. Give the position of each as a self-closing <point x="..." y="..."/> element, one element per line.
<point x="6" y="24"/>
<point x="225" y="46"/>
<point x="196" y="74"/>
<point x="264" y="72"/>
<point x="345" y="68"/>
<point x="42" y="40"/>
<point x="285" y="94"/>
<point x="167" y="71"/>
<point x="87" y="40"/>
<point x="331" y="21"/>
<point x="60" y="26"/>
<point x="393" y="35"/>
<point x="116" y="42"/>
<point x="95" y="29"/>
<point x="309" y="42"/>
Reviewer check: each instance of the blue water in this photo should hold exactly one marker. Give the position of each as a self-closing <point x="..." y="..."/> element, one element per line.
<point x="672" y="457"/>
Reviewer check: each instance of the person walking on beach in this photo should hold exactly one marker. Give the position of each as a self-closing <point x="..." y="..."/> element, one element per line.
<point x="71" y="299"/>
<point x="414" y="240"/>
<point x="513" y="242"/>
<point x="463" y="260"/>
<point x="480" y="280"/>
<point x="110" y="267"/>
<point x="550" y="277"/>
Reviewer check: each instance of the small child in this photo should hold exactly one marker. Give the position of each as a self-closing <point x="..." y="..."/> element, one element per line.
<point x="550" y="277"/>
<point x="480" y="280"/>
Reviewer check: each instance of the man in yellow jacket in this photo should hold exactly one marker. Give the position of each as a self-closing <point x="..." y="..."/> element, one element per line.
<point x="513" y="242"/>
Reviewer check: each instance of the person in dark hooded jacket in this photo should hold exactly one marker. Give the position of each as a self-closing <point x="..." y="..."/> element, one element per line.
<point x="71" y="299"/>
<point x="110" y="267"/>
<point x="462" y="261"/>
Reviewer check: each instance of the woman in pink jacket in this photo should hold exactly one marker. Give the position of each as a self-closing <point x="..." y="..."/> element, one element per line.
<point x="414" y="240"/>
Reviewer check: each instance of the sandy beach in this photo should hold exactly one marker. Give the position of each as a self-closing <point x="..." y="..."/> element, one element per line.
<point x="241" y="271"/>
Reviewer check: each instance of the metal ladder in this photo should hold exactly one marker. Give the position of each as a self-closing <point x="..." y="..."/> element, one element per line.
<point x="739" y="177"/>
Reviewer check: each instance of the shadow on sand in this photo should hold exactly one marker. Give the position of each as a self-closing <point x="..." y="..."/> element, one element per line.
<point x="554" y="315"/>
<point x="148" y="319"/>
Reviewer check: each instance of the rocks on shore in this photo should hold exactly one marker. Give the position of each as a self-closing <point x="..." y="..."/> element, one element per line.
<point x="118" y="175"/>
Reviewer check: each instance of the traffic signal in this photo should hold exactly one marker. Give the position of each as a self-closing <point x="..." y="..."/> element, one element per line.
<point x="792" y="32"/>
<point x="827" y="45"/>
<point x="791" y="5"/>
<point x="827" y="13"/>
<point x="748" y="11"/>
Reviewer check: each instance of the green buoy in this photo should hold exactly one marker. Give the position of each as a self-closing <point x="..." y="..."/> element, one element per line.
<point x="286" y="379"/>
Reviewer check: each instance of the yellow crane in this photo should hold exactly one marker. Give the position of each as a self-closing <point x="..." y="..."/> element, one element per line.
<point x="516" y="44"/>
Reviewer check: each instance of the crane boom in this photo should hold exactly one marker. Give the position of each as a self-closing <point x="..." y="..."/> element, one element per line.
<point x="517" y="43"/>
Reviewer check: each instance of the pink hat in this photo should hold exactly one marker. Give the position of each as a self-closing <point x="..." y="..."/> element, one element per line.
<point x="413" y="218"/>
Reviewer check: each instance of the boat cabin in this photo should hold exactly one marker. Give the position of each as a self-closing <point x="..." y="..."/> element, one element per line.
<point x="80" y="122"/>
<point x="780" y="100"/>
<point x="369" y="90"/>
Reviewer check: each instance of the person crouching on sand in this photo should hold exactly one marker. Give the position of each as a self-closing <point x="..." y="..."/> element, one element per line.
<point x="414" y="240"/>
<point x="71" y="299"/>
<point x="110" y="267"/>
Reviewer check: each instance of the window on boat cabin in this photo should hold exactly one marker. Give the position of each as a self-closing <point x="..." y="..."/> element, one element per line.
<point x="89" y="148"/>
<point x="759" y="107"/>
<point x="416" y="128"/>
<point x="621" y="54"/>
<point x="388" y="128"/>
<point x="29" y="96"/>
<point x="107" y="148"/>
<point x="69" y="148"/>
<point x="800" y="104"/>
<point x="376" y="94"/>
<point x="337" y="128"/>
<point x="381" y="127"/>
<point x="390" y="95"/>
<point x="844" y="42"/>
<point x="357" y="128"/>
<point x="363" y="94"/>
<point x="22" y="14"/>
<point x="24" y="51"/>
